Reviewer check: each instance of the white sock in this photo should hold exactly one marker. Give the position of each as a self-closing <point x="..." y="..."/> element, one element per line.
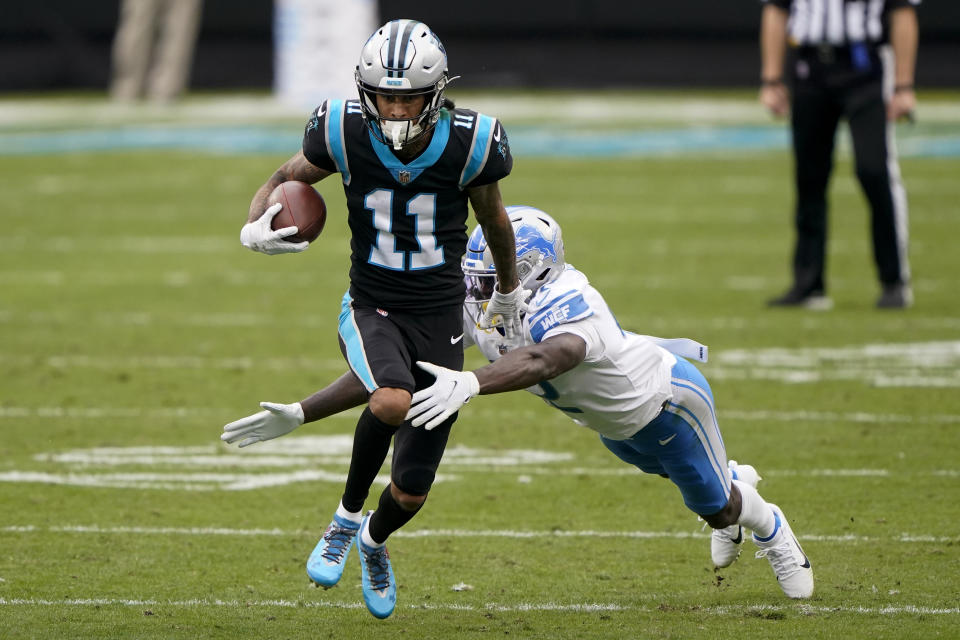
<point x="365" y="538"/>
<point x="349" y="515"/>
<point x="755" y="513"/>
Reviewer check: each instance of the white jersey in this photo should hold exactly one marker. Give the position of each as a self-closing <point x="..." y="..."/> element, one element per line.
<point x="625" y="378"/>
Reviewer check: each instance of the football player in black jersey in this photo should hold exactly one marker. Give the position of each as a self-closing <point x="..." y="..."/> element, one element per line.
<point x="410" y="162"/>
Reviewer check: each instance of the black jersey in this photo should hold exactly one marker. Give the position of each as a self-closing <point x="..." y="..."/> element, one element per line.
<point x="408" y="221"/>
<point x="840" y="22"/>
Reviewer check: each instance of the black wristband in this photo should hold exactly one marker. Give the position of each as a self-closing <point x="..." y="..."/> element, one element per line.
<point x="773" y="82"/>
<point x="903" y="87"/>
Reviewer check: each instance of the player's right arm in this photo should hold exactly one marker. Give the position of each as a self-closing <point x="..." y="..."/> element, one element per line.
<point x="311" y="164"/>
<point x="258" y="234"/>
<point x="296" y="168"/>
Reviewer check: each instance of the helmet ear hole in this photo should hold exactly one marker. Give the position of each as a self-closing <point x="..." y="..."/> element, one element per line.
<point x="543" y="274"/>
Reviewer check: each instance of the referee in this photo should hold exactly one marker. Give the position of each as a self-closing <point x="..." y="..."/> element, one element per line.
<point x="851" y="59"/>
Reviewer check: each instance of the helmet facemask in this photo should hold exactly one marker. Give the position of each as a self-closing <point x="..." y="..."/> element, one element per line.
<point x="399" y="132"/>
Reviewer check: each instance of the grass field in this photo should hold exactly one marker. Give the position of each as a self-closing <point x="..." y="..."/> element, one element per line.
<point x="134" y="326"/>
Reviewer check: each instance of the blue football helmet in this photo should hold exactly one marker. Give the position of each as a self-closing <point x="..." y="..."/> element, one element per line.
<point x="402" y="57"/>
<point x="539" y="255"/>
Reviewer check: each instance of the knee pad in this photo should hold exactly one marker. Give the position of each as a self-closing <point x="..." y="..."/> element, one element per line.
<point x="416" y="481"/>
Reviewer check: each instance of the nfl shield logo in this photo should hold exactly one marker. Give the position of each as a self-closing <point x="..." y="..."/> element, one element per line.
<point x="403" y="176"/>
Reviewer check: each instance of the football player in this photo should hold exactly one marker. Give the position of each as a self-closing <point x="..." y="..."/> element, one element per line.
<point x="409" y="162"/>
<point x="652" y="408"/>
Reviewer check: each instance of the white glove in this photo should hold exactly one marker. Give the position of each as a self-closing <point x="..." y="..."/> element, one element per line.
<point x="258" y="236"/>
<point x="450" y="391"/>
<point x="277" y="420"/>
<point x="508" y="306"/>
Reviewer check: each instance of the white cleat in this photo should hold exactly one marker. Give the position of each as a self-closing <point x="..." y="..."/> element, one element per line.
<point x="790" y="564"/>
<point x="725" y="543"/>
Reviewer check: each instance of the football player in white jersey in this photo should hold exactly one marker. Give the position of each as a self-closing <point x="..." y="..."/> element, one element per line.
<point x="651" y="407"/>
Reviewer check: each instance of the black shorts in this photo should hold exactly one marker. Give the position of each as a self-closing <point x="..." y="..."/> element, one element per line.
<point x="382" y="348"/>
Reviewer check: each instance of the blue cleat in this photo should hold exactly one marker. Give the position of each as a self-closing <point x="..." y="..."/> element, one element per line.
<point x="325" y="564"/>
<point x="379" y="585"/>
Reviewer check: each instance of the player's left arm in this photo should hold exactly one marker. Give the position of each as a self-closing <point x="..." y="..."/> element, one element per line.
<point x="904" y="36"/>
<point x="515" y="370"/>
<point x="492" y="216"/>
<point x="508" y="300"/>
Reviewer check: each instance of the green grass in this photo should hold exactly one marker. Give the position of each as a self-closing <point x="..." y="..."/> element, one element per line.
<point x="131" y="317"/>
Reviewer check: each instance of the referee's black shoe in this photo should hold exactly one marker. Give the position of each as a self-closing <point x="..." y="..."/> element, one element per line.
<point x="815" y="300"/>
<point x="895" y="296"/>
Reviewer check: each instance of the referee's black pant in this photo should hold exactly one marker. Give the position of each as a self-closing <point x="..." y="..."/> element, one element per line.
<point x="822" y="93"/>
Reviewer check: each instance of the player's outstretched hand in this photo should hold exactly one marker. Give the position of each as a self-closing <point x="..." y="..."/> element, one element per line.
<point x="450" y="391"/>
<point x="276" y="420"/>
<point x="505" y="309"/>
<point x="258" y="236"/>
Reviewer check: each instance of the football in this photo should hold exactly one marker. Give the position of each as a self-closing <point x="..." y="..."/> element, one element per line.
<point x="303" y="208"/>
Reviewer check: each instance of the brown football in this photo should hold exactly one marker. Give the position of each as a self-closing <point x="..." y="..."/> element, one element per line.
<point x="303" y="208"/>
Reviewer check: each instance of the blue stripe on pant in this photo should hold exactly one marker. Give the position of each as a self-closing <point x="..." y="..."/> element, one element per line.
<point x="683" y="443"/>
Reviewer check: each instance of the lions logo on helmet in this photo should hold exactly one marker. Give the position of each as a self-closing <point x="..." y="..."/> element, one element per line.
<point x="539" y="255"/>
<point x="402" y="57"/>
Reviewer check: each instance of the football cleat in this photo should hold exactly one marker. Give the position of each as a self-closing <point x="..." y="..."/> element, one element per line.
<point x="790" y="564"/>
<point x="379" y="585"/>
<point x="725" y="543"/>
<point x="325" y="564"/>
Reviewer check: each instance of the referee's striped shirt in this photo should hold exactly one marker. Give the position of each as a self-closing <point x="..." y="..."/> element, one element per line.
<point x="839" y="22"/>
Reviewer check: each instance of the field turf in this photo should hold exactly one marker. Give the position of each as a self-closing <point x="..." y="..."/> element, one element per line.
<point x="133" y="325"/>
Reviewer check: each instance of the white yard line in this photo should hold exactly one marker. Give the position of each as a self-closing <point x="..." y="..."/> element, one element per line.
<point x="889" y="610"/>
<point x="462" y="533"/>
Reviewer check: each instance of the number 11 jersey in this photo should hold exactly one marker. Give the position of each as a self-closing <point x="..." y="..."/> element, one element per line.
<point x="407" y="220"/>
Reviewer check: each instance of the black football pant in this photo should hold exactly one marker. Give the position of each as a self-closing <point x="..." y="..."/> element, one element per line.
<point x="822" y="94"/>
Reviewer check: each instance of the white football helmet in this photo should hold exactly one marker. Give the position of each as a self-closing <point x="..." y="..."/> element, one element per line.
<point x="402" y="57"/>
<point x="539" y="255"/>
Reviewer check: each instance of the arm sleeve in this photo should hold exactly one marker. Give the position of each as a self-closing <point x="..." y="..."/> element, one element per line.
<point x="315" y="148"/>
